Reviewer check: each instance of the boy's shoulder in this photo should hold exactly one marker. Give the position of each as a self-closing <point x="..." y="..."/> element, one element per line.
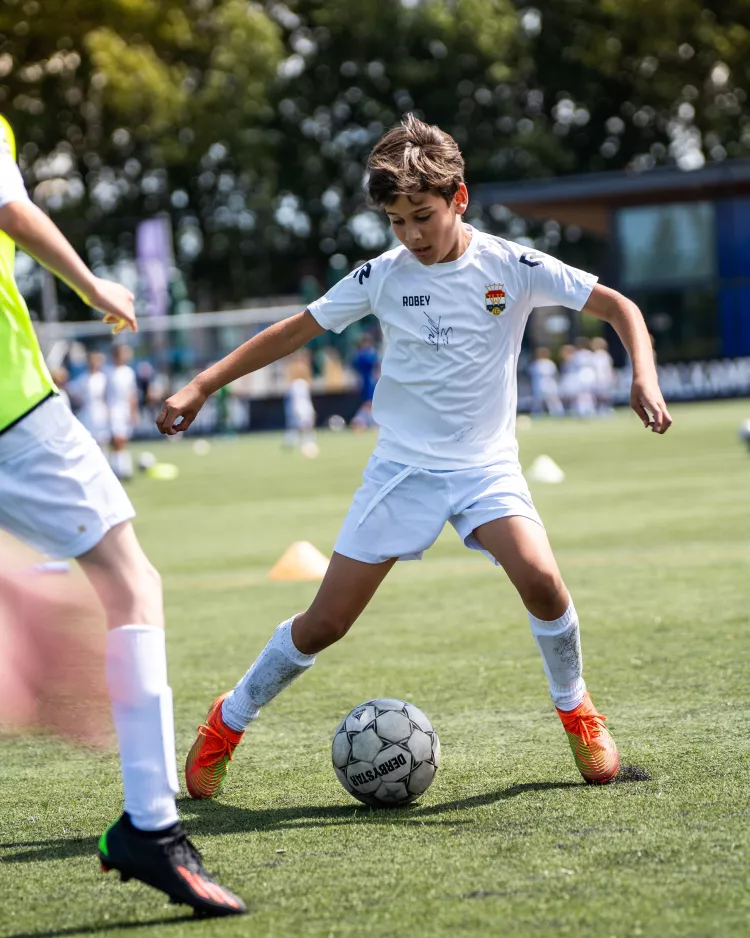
<point x="497" y="246"/>
<point x="367" y="272"/>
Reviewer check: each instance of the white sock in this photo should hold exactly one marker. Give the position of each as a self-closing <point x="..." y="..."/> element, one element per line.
<point x="121" y="462"/>
<point x="274" y="669"/>
<point x="560" y="644"/>
<point x="144" y="721"/>
<point x="126" y="464"/>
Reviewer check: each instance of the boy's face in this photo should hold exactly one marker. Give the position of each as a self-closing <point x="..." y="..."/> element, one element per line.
<point x="428" y="226"/>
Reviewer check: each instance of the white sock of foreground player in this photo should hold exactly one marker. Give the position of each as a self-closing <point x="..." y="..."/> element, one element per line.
<point x="144" y="721"/>
<point x="560" y="644"/>
<point x="274" y="669"/>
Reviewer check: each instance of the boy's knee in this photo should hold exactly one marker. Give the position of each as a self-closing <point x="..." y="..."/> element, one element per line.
<point x="135" y="598"/>
<point x="544" y="595"/>
<point x="315" y="630"/>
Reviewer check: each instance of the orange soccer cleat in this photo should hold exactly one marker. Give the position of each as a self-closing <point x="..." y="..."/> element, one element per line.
<point x="207" y="762"/>
<point x="593" y="748"/>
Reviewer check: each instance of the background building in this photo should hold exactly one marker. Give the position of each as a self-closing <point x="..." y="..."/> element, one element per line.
<point x="678" y="244"/>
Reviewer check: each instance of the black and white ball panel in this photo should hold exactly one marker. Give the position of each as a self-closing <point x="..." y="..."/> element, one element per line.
<point x="385" y="752"/>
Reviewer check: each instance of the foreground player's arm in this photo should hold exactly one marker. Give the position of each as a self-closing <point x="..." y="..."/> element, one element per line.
<point x="273" y="343"/>
<point x="40" y="237"/>
<point x="626" y="319"/>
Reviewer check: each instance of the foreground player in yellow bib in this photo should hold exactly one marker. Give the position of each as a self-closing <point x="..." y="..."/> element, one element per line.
<point x="58" y="494"/>
<point x="453" y="304"/>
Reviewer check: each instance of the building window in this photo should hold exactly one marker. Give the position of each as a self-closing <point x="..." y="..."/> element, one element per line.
<point x="667" y="245"/>
<point x="684" y="323"/>
<point x="668" y="265"/>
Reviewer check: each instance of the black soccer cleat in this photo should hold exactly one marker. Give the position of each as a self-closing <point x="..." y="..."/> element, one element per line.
<point x="168" y="861"/>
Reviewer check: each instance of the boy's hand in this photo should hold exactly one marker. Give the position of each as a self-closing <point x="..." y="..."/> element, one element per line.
<point x="648" y="402"/>
<point x="185" y="404"/>
<point x="115" y="301"/>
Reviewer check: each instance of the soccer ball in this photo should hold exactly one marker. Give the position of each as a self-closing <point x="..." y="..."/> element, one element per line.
<point x="146" y="461"/>
<point x="744" y="432"/>
<point x="385" y="753"/>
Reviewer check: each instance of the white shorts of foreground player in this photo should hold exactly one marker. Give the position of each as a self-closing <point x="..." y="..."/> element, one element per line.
<point x="399" y="511"/>
<point x="59" y="493"/>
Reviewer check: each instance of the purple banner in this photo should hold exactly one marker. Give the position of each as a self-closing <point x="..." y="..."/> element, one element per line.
<point x="155" y="260"/>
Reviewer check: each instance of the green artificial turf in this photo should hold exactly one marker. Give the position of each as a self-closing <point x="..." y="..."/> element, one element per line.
<point x="653" y="537"/>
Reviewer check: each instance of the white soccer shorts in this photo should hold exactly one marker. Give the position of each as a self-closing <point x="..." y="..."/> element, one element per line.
<point x="57" y="490"/>
<point x="399" y="511"/>
<point x="120" y="422"/>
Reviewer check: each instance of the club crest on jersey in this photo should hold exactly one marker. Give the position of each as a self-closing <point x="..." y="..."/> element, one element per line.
<point x="494" y="298"/>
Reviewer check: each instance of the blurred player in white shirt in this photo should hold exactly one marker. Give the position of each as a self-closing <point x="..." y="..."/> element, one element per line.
<point x="123" y="410"/>
<point x="605" y="374"/>
<point x="568" y="383"/>
<point x="90" y="393"/>
<point x="453" y="303"/>
<point x="299" y="411"/>
<point x="583" y="364"/>
<point x="544" y="392"/>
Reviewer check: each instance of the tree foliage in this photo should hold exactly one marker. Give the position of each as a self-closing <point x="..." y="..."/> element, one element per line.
<point x="250" y="123"/>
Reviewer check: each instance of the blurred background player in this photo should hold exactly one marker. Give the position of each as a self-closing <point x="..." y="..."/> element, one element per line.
<point x="123" y="410"/>
<point x="365" y="364"/>
<point x="299" y="411"/>
<point x="604" y="370"/>
<point x="544" y="392"/>
<point x="59" y="495"/>
<point x="582" y="362"/>
<point x="89" y="393"/>
<point x="568" y="383"/>
<point x="61" y="377"/>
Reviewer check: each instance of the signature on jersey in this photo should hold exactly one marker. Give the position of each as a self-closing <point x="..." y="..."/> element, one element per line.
<point x="433" y="334"/>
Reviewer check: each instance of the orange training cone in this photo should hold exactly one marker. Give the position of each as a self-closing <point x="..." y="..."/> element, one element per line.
<point x="301" y="561"/>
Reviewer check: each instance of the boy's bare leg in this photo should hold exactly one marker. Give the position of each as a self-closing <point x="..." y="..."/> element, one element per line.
<point x="52" y="663"/>
<point x="128" y="585"/>
<point x="521" y="546"/>
<point x="347" y="588"/>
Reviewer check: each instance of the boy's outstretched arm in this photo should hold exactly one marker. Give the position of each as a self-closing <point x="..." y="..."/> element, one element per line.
<point x="40" y="237"/>
<point x="626" y="319"/>
<point x="273" y="343"/>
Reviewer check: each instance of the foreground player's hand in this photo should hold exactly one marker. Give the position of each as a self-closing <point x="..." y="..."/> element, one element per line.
<point x="116" y="302"/>
<point x="180" y="410"/>
<point x="648" y="402"/>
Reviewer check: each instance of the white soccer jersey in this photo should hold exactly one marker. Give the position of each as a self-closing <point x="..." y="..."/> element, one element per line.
<point x="122" y="394"/>
<point x="90" y="389"/>
<point x="446" y="398"/>
<point x="298" y="405"/>
<point x="603" y="368"/>
<point x="123" y="387"/>
<point x="543" y="374"/>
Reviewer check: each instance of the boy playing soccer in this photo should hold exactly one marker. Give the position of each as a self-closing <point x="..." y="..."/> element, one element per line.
<point x="452" y="303"/>
<point x="58" y="494"/>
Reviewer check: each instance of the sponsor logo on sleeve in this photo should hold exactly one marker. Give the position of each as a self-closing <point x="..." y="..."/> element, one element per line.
<point x="362" y="273"/>
<point x="531" y="259"/>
